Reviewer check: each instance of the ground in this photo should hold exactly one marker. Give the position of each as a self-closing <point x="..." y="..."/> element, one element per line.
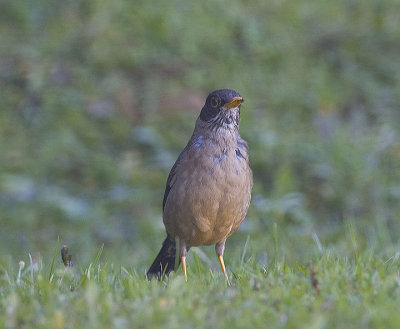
<point x="99" y="98"/>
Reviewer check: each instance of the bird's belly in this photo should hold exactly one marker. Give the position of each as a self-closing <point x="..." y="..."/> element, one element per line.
<point x="209" y="201"/>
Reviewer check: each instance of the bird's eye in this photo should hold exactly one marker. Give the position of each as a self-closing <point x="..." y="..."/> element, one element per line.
<point x="215" y="102"/>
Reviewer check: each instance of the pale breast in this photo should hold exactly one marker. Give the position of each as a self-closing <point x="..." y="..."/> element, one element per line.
<point x="211" y="193"/>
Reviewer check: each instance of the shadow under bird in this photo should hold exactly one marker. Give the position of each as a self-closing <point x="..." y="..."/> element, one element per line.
<point x="209" y="187"/>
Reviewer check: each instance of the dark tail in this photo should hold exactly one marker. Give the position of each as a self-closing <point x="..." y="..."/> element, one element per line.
<point x="165" y="260"/>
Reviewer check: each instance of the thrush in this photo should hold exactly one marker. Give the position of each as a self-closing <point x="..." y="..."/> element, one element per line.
<point x="208" y="190"/>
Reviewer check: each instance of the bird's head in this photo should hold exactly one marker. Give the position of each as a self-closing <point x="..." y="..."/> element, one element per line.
<point x="222" y="109"/>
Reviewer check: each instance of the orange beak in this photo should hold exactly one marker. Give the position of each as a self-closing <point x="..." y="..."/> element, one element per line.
<point x="235" y="102"/>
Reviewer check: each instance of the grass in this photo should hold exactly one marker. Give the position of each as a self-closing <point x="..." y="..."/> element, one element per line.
<point x="97" y="100"/>
<point x="328" y="291"/>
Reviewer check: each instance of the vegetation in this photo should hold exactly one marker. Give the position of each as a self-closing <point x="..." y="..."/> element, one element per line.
<point x="97" y="100"/>
<point x="332" y="292"/>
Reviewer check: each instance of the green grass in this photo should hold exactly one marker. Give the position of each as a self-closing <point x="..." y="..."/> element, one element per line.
<point x="360" y="291"/>
<point x="97" y="100"/>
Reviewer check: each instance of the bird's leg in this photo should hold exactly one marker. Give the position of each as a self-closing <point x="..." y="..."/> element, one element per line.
<point x="219" y="249"/>
<point x="182" y="254"/>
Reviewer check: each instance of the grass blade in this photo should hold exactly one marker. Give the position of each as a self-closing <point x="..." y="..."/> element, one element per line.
<point x="275" y="236"/>
<point x="96" y="261"/>
<point x="54" y="258"/>
<point x="246" y="245"/>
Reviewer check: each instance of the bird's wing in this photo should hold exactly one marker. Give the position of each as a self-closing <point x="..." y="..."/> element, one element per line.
<point x="242" y="147"/>
<point x="171" y="177"/>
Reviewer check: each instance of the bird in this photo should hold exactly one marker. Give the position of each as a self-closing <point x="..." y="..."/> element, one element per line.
<point x="208" y="190"/>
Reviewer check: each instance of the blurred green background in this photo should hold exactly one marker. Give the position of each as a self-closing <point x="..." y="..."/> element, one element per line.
<point x="97" y="99"/>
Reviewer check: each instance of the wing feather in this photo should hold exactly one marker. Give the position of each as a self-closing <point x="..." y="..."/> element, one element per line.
<point x="171" y="177"/>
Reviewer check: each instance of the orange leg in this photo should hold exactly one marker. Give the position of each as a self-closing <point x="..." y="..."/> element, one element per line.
<point x="219" y="249"/>
<point x="182" y="253"/>
<point x="221" y="261"/>
<point x="183" y="260"/>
